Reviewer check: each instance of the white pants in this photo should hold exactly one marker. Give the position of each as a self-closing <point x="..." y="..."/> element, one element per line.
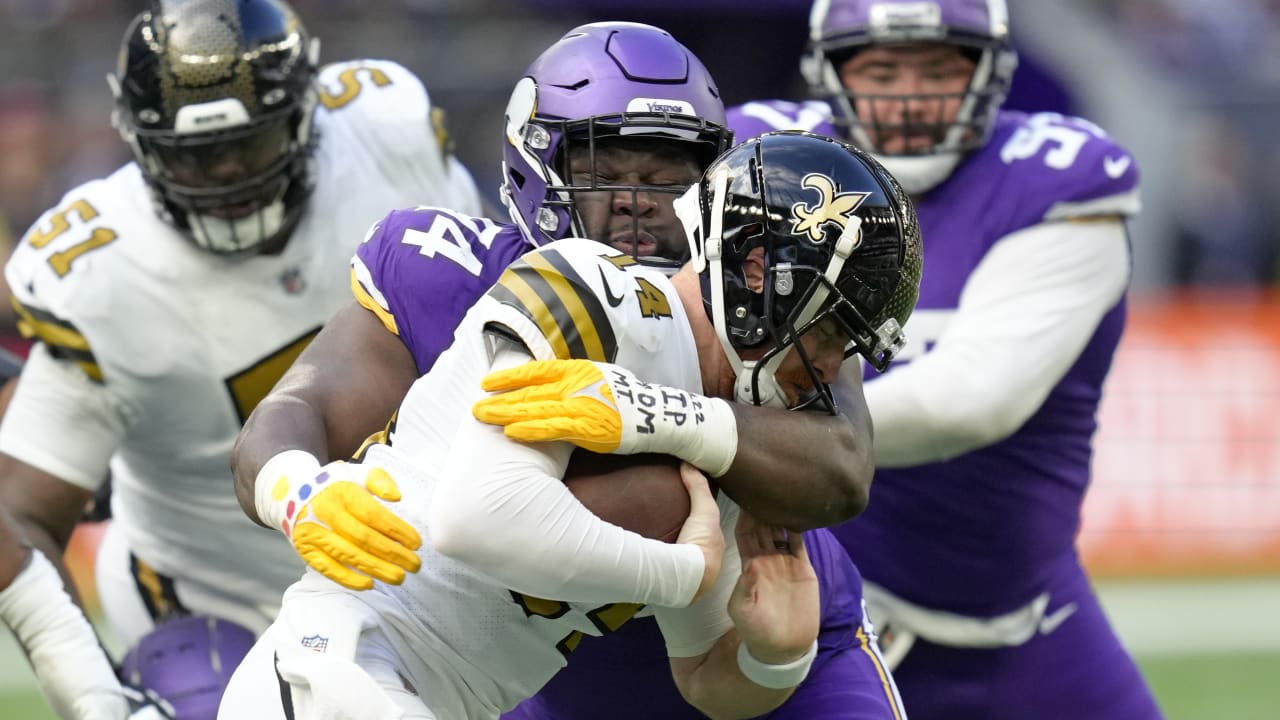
<point x="132" y="595"/>
<point x="350" y="674"/>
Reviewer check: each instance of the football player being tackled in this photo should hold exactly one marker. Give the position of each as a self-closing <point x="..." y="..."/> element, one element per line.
<point x="984" y="422"/>
<point x="598" y="141"/>
<point x="167" y="298"/>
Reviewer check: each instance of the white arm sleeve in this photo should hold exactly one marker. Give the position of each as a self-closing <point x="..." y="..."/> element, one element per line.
<point x="70" y="665"/>
<point x="61" y="422"/>
<point x="1026" y="313"/>
<point x="502" y="507"/>
<point x="694" y="630"/>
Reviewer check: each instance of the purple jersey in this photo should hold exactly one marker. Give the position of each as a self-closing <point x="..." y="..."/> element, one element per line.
<point x="994" y="522"/>
<point x="984" y="533"/>
<point x="979" y="534"/>
<point x="420" y="270"/>
<point x="423" y="268"/>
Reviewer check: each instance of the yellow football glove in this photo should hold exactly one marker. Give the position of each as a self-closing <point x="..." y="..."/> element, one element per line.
<point x="332" y="516"/>
<point x="607" y="409"/>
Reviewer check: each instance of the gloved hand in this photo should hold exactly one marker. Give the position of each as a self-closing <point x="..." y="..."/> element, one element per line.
<point x="607" y="409"/>
<point x="334" y="520"/>
<point x="144" y="704"/>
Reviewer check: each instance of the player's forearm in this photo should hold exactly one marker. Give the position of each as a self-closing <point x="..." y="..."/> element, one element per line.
<point x="71" y="667"/>
<point x="717" y="687"/>
<point x="280" y="423"/>
<point x="800" y="470"/>
<point x="512" y="517"/>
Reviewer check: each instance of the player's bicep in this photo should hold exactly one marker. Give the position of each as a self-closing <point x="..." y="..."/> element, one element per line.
<point x="355" y="373"/>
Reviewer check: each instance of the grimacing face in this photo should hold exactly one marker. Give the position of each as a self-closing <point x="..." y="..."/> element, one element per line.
<point x="640" y="180"/>
<point x="825" y="344"/>
<point x="907" y="94"/>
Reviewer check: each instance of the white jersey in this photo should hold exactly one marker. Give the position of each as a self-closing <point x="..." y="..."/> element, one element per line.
<point x="154" y="352"/>
<point x="472" y="645"/>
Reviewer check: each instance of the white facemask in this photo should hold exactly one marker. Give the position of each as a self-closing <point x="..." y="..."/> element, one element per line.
<point x="222" y="235"/>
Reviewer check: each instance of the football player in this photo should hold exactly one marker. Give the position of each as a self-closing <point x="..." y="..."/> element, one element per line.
<point x="607" y="127"/>
<point x="803" y="252"/>
<point x="167" y="298"/>
<point x="983" y="423"/>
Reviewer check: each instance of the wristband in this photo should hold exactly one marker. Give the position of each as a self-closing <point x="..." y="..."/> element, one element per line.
<point x="775" y="677"/>
<point x="712" y="448"/>
<point x="271" y="489"/>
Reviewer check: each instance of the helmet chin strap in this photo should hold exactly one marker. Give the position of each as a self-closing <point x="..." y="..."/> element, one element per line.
<point x="757" y="383"/>
<point x="753" y="383"/>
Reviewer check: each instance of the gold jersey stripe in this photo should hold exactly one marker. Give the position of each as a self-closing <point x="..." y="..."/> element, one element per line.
<point x="382" y="437"/>
<point x="37" y="323"/>
<point x="368" y="303"/>
<point x="547" y="289"/>
<point x="864" y="644"/>
<point x="513" y="290"/>
<point x="61" y="337"/>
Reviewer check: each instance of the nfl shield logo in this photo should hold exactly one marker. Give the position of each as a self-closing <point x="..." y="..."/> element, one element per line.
<point x="316" y="643"/>
<point x="292" y="281"/>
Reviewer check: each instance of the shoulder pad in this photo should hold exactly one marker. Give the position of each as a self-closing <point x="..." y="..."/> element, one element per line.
<point x="581" y="298"/>
<point x="761" y="116"/>
<point x="1063" y="167"/>
<point x="386" y="104"/>
<point x="420" y="269"/>
<point x="50" y="272"/>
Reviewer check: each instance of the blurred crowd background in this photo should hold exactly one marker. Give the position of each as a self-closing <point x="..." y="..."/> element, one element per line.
<point x="1191" y="86"/>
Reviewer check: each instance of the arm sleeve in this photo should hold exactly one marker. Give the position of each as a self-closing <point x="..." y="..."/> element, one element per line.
<point x="694" y="630"/>
<point x="62" y="422"/>
<point x="1026" y="313"/>
<point x="502" y="508"/>
<point x="69" y="664"/>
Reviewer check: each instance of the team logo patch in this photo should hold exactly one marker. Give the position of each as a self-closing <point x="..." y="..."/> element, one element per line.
<point x="316" y="643"/>
<point x="831" y="207"/>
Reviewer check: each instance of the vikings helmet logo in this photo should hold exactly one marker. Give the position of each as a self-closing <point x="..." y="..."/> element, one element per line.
<point x="830" y="208"/>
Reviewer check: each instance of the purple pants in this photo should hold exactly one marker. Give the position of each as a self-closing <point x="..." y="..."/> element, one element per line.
<point x="1078" y="670"/>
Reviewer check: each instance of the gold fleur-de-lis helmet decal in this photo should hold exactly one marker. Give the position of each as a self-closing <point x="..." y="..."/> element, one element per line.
<point x="831" y="207"/>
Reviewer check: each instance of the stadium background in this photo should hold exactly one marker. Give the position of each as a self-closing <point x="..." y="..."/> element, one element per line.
<point x="1182" y="526"/>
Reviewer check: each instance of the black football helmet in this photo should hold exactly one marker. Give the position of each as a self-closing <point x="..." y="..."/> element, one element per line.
<point x="839" y="238"/>
<point x="215" y="98"/>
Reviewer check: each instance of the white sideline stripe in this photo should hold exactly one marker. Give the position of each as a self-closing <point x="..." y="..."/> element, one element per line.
<point x="1183" y="617"/>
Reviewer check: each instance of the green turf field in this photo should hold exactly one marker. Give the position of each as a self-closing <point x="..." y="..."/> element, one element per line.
<point x="1208" y="687"/>
<point x="1199" y="687"/>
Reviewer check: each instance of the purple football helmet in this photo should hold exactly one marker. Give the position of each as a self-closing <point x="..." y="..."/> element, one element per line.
<point x="188" y="661"/>
<point x="603" y="80"/>
<point x="838" y="29"/>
